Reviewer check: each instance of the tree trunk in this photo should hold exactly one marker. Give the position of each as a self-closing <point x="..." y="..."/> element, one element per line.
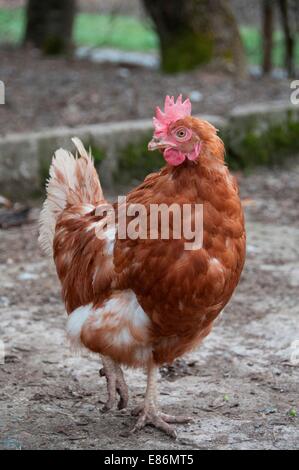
<point x="289" y="36"/>
<point x="268" y="29"/>
<point x="195" y="32"/>
<point x="50" y="24"/>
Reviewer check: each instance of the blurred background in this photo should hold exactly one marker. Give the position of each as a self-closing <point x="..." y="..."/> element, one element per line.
<point x="97" y="69"/>
<point x="74" y="62"/>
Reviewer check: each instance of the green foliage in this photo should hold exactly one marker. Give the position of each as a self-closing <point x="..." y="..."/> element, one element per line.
<point x="97" y="30"/>
<point x="269" y="147"/>
<point x="136" y="162"/>
<point x="98" y="153"/>
<point x="12" y="23"/>
<point x="192" y="49"/>
<point x="252" y="41"/>
<point x="122" y="32"/>
<point x="293" y="413"/>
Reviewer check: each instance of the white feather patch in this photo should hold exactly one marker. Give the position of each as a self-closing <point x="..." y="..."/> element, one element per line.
<point x="75" y="323"/>
<point x="122" y="306"/>
<point x="65" y="186"/>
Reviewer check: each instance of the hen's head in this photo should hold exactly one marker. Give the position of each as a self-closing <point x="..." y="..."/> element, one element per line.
<point x="181" y="137"/>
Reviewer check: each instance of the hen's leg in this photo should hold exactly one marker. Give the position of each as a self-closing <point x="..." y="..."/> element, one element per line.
<point x="115" y="384"/>
<point x="150" y="414"/>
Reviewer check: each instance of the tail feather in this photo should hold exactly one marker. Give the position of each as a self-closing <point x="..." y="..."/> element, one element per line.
<point x="72" y="181"/>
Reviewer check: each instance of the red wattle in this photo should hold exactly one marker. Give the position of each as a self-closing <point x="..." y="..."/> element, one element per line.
<point x="174" y="157"/>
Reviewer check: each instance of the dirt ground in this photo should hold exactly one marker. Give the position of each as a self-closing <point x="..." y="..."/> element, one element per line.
<point x="43" y="93"/>
<point x="241" y="386"/>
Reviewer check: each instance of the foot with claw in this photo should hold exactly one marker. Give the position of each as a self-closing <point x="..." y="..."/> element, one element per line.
<point x="115" y="385"/>
<point x="150" y="415"/>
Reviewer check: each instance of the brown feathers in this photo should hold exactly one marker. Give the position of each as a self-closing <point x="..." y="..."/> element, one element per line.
<point x="145" y="296"/>
<point x="184" y="291"/>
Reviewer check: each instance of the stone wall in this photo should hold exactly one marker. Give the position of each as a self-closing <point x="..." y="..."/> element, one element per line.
<point x="253" y="135"/>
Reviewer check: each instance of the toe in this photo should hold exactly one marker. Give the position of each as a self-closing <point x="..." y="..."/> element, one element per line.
<point x="152" y="418"/>
<point x="137" y="410"/>
<point x="176" y="419"/>
<point x="163" y="426"/>
<point x="141" y="423"/>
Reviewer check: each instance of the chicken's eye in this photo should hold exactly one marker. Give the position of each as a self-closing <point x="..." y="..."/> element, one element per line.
<point x="181" y="133"/>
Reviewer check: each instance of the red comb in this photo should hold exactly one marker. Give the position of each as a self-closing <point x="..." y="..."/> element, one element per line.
<point x="172" y="112"/>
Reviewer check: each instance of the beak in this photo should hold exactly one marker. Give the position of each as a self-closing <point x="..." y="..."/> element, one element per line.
<point x="157" y="143"/>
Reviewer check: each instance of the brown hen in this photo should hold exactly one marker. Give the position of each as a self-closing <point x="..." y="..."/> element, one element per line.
<point x="143" y="300"/>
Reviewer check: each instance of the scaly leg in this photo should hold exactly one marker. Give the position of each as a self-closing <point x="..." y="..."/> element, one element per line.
<point x="149" y="414"/>
<point x="115" y="384"/>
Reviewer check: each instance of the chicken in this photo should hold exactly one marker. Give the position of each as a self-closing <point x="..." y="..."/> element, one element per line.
<point x="143" y="301"/>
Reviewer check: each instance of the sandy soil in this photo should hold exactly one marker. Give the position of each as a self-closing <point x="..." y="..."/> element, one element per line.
<point x="43" y="93"/>
<point x="240" y="385"/>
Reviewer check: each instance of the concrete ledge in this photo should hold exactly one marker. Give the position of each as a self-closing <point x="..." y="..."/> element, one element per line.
<point x="263" y="134"/>
<point x="252" y="134"/>
<point x="25" y="158"/>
